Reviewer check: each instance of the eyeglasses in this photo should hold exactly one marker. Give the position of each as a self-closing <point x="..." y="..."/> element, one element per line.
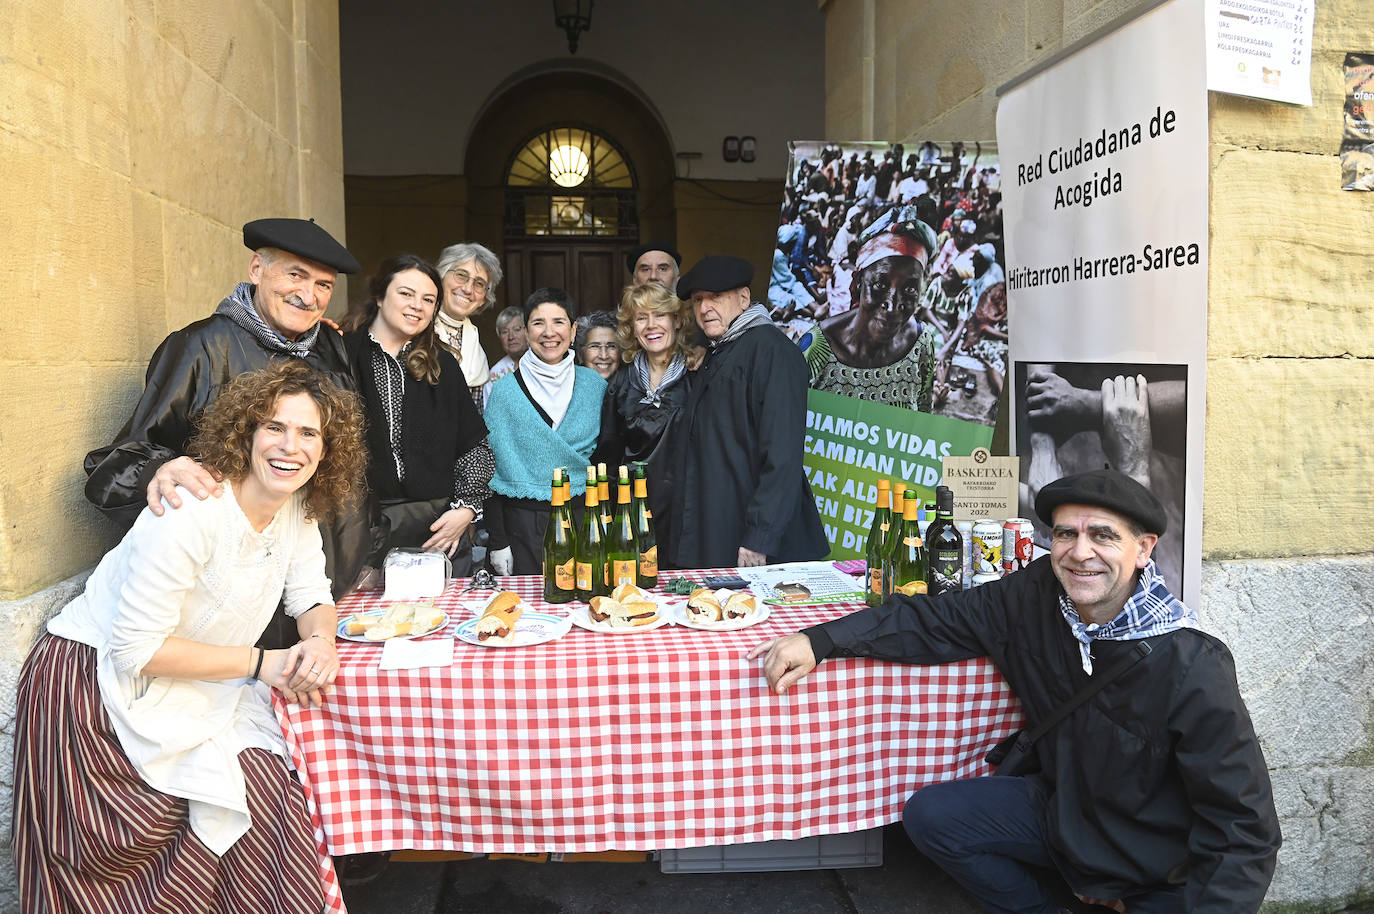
<point x="463" y="277"/>
<point x="603" y="347"/>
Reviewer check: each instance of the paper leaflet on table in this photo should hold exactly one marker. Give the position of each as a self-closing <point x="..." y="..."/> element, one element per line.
<point x="405" y="654"/>
<point x="826" y="583"/>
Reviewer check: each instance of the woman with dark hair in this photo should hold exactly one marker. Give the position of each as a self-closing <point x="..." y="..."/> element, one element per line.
<point x="645" y="398"/>
<point x="596" y="344"/>
<point x="430" y="462"/>
<point x="545" y="414"/>
<point x="149" y="768"/>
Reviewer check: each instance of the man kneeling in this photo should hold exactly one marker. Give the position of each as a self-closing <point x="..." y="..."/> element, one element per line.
<point x="1153" y="791"/>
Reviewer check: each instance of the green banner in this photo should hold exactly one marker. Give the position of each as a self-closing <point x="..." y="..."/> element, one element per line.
<point x="851" y="444"/>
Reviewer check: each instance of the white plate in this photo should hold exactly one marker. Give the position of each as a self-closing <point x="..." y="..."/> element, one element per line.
<point x="726" y="625"/>
<point x="532" y="628"/>
<point x="377" y="614"/>
<point x="582" y="618"/>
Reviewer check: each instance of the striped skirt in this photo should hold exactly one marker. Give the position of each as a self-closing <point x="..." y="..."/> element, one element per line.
<point x="90" y="835"/>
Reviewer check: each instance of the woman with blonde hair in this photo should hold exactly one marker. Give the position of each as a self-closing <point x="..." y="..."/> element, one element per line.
<point x="149" y="768"/>
<point x="645" y="398"/>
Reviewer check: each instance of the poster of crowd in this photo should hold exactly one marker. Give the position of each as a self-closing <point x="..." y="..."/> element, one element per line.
<point x="1106" y="219"/>
<point x="888" y="273"/>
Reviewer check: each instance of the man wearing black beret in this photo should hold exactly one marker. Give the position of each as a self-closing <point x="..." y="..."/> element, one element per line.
<point x="276" y="314"/>
<point x="742" y="497"/>
<point x="654" y="261"/>
<point x="1153" y="790"/>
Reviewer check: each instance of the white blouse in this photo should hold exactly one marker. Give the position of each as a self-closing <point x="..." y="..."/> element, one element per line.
<point x="202" y="573"/>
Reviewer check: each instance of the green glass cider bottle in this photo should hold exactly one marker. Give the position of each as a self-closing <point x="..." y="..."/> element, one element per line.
<point x="876" y="589"/>
<point x="908" y="561"/>
<point x="560" y="547"/>
<point x="646" y="539"/>
<point x="591" y="547"/>
<point x="623" y="552"/>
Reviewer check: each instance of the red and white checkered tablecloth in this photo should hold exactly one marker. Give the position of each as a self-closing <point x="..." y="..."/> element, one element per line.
<point x="660" y="739"/>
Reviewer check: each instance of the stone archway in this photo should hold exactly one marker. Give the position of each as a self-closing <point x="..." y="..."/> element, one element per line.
<point x="601" y="100"/>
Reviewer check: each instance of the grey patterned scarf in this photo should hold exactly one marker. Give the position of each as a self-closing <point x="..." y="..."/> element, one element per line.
<point x="751" y="317"/>
<point x="676" y="369"/>
<point x="238" y="307"/>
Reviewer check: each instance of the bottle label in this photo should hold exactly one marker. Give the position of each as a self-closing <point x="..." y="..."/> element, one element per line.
<point x="584" y="575"/>
<point x="911" y="588"/>
<point x="622" y="572"/>
<point x="563" y="577"/>
<point x="914" y="541"/>
<point x="875" y="580"/>
<point x="648" y="562"/>
<point x="883" y="526"/>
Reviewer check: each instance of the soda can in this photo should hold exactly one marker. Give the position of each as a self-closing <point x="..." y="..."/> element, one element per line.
<point x="987" y="546"/>
<point x="1018" y="544"/>
<point x="985" y="577"/>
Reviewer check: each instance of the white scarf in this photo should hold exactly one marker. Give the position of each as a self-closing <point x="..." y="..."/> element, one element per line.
<point x="460" y="337"/>
<point x="551" y="386"/>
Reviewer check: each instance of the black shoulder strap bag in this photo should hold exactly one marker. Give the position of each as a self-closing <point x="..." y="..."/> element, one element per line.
<point x="543" y="414"/>
<point x="1012" y="755"/>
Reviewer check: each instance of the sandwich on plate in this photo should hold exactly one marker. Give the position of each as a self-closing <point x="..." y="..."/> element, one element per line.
<point x="497" y="623"/>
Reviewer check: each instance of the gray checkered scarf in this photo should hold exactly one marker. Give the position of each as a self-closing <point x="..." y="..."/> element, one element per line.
<point x="751" y="317"/>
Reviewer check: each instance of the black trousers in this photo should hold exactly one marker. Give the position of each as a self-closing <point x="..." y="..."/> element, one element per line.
<point x="520" y="523"/>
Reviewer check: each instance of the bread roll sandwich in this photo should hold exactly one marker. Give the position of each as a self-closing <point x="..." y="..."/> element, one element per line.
<point x="407" y="618"/>
<point x="703" y="607"/>
<point x="497" y="624"/>
<point x="628" y="593"/>
<point x="616" y="614"/>
<point x="739" y="606"/>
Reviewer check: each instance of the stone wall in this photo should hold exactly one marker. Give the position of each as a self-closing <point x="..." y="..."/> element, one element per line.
<point x="137" y="138"/>
<point x="1286" y="541"/>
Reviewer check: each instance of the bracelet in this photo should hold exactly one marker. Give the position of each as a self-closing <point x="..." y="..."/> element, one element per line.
<point x="257" y="668"/>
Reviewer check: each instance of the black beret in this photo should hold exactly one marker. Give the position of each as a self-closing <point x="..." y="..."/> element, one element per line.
<point x="717" y="273"/>
<point x="657" y="244"/>
<point x="1104" y="489"/>
<point x="301" y="237"/>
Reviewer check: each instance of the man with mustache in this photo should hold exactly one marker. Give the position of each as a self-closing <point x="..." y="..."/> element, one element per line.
<point x="276" y="314"/>
<point x="877" y="350"/>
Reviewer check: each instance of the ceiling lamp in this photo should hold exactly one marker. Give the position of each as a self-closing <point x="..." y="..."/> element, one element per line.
<point x="568" y="166"/>
<point x="574" y="17"/>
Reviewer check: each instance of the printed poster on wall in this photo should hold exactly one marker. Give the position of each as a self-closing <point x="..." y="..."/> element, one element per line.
<point x="1105" y="157"/>
<point x="888" y="272"/>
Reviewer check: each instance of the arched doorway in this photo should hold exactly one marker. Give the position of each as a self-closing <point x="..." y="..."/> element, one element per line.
<point x="615" y="121"/>
<point x="570" y="215"/>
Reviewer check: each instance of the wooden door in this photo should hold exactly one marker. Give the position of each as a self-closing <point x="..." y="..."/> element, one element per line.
<point x="593" y="272"/>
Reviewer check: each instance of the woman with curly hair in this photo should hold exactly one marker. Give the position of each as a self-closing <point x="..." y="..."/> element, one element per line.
<point x="149" y="769"/>
<point x="431" y="465"/>
<point x="644" y="400"/>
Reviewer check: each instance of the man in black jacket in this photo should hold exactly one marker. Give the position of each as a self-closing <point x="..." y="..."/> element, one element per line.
<point x="276" y="314"/>
<point x="741" y="494"/>
<point x="1154" y="791"/>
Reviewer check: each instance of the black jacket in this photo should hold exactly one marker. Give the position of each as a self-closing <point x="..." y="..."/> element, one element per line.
<point x="1158" y="779"/>
<point x="631" y="430"/>
<point x="439" y="424"/>
<point x="185" y="376"/>
<point x="740" y="480"/>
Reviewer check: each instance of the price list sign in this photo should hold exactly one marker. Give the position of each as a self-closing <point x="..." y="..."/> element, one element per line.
<point x="1261" y="48"/>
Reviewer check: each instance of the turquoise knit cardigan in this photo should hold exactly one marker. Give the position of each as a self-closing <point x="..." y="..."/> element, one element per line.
<point x="527" y="450"/>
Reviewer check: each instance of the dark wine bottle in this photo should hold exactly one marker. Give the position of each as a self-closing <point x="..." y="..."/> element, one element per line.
<point x="945" y="545"/>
